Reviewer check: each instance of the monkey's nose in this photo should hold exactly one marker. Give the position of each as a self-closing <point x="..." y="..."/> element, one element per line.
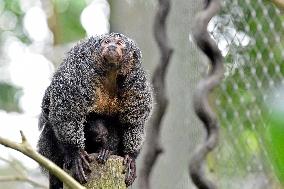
<point x="112" y="48"/>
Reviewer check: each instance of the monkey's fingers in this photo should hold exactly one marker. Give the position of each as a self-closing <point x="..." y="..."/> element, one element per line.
<point x="130" y="175"/>
<point x="99" y="158"/>
<point x="103" y="156"/>
<point x="126" y="161"/>
<point x="85" y="164"/>
<point x="107" y="154"/>
<point x="79" y="172"/>
<point x="87" y="156"/>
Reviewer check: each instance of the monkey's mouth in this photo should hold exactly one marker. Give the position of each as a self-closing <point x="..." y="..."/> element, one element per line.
<point x="100" y="139"/>
<point x="111" y="56"/>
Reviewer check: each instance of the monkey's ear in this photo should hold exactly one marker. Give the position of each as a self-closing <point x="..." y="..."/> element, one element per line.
<point x="98" y="40"/>
<point x="137" y="54"/>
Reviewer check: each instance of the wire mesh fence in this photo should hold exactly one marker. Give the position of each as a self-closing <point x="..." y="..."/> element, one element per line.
<point x="250" y="100"/>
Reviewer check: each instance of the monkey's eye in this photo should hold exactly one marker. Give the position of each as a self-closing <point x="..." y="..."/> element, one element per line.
<point x="107" y="41"/>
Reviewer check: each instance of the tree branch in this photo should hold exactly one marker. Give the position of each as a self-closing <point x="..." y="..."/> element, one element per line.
<point x="12" y="164"/>
<point x="25" y="148"/>
<point x="205" y="86"/>
<point x="279" y="3"/>
<point x="153" y="146"/>
<point x="21" y="179"/>
<point x="107" y="176"/>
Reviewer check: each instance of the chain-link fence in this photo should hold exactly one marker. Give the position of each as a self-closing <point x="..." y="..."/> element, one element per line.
<point x="250" y="99"/>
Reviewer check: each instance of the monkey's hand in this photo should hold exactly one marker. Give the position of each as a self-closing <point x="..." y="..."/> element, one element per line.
<point x="78" y="164"/>
<point x="130" y="170"/>
<point x="103" y="155"/>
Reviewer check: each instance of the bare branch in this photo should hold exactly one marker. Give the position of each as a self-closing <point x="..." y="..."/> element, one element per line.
<point x="26" y="149"/>
<point x="21" y="179"/>
<point x="205" y="86"/>
<point x="24" y="139"/>
<point x="110" y="175"/>
<point x="279" y="3"/>
<point x="13" y="165"/>
<point x="153" y="146"/>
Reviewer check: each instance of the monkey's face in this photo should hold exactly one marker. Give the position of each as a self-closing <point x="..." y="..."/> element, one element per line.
<point x="100" y="132"/>
<point x="112" y="49"/>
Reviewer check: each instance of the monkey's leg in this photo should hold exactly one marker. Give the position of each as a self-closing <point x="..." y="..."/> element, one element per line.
<point x="54" y="182"/>
<point x="109" y="143"/>
<point x="48" y="147"/>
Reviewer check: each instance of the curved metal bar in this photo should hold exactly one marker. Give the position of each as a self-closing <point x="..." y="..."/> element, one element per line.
<point x="152" y="144"/>
<point x="204" y="87"/>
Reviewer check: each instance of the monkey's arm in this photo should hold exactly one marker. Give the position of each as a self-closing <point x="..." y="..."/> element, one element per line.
<point x="67" y="121"/>
<point x="138" y="102"/>
<point x="133" y="138"/>
<point x="67" y="117"/>
<point x="137" y="99"/>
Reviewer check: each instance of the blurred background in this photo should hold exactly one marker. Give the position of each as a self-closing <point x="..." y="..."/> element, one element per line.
<point x="36" y="34"/>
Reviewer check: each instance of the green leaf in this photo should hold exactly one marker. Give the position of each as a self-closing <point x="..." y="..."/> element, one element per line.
<point x="9" y="97"/>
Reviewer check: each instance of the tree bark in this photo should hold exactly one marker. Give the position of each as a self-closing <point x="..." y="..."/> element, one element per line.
<point x="106" y="176"/>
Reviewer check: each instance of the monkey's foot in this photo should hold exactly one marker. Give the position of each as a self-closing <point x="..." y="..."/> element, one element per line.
<point x="103" y="155"/>
<point x="79" y="166"/>
<point x="130" y="170"/>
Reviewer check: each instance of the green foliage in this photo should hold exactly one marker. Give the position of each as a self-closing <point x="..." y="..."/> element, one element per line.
<point x="9" y="97"/>
<point x="275" y="142"/>
<point x="249" y="128"/>
<point x="68" y="26"/>
<point x="13" y="7"/>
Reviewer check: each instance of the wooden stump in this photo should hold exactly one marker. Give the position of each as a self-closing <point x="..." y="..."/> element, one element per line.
<point x="106" y="176"/>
